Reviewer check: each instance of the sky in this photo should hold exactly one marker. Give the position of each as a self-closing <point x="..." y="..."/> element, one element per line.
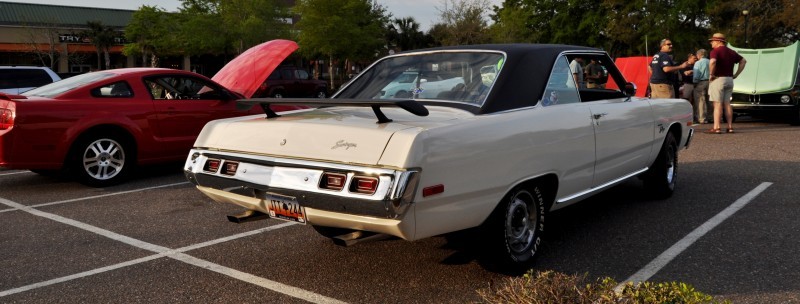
<point x="426" y="12"/>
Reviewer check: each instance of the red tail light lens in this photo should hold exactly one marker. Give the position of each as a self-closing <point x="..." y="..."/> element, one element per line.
<point x="364" y="184"/>
<point x="212" y="165"/>
<point x="332" y="181"/>
<point x="6" y="119"/>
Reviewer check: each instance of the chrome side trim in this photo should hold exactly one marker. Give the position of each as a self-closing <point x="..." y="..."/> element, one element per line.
<point x="602" y="187"/>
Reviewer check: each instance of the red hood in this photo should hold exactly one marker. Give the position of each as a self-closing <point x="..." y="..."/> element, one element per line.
<point x="246" y="72"/>
<point x="634" y="69"/>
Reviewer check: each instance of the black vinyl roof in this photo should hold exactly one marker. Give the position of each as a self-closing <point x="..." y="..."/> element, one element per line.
<point x="524" y="75"/>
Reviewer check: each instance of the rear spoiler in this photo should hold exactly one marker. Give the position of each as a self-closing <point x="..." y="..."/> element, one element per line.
<point x="5" y="96"/>
<point x="410" y="105"/>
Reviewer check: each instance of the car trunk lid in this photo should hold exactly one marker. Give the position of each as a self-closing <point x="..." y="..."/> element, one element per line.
<point x="347" y="135"/>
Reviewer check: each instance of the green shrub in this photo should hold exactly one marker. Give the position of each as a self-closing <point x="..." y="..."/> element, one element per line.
<point x="555" y="288"/>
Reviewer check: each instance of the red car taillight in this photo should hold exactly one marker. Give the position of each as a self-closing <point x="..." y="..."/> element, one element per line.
<point x="364" y="184"/>
<point x="332" y="181"/>
<point x="6" y="119"/>
<point x="212" y="165"/>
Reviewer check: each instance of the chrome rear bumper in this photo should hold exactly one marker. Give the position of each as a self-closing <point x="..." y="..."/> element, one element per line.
<point x="255" y="176"/>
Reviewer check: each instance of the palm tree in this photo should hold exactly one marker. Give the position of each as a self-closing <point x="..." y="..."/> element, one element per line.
<point x="102" y="37"/>
<point x="407" y="35"/>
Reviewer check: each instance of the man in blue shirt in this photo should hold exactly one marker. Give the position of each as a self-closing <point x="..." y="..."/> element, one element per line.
<point x="663" y="79"/>
<point x="700" y="79"/>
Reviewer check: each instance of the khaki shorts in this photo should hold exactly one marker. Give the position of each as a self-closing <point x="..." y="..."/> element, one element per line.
<point x="721" y="90"/>
<point x="661" y="90"/>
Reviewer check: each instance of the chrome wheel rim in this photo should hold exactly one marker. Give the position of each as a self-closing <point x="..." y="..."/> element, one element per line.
<point x="520" y="223"/>
<point x="278" y="95"/>
<point x="103" y="159"/>
<point x="321" y="94"/>
<point x="670" y="166"/>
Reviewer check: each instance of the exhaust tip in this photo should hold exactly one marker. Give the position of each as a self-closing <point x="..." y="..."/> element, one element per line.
<point x="247" y="216"/>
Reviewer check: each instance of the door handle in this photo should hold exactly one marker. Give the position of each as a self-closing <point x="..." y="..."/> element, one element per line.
<point x="598" y="115"/>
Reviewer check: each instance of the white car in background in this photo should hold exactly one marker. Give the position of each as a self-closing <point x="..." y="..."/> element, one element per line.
<point x="409" y="85"/>
<point x="20" y="79"/>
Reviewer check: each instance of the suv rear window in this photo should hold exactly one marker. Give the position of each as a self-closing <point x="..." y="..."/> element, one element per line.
<point x="23" y="78"/>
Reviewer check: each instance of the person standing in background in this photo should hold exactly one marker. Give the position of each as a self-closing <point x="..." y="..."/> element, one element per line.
<point x="721" y="76"/>
<point x="663" y="71"/>
<point x="576" y="68"/>
<point x="687" y="80"/>
<point x="700" y="79"/>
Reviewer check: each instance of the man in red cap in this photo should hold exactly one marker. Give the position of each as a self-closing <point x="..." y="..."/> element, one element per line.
<point x="721" y="78"/>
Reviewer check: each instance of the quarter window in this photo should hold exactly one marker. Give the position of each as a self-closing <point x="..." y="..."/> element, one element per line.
<point x="560" y="85"/>
<point x="117" y="89"/>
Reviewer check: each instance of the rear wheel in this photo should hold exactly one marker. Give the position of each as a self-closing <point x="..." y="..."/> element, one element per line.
<point x="321" y="94"/>
<point x="516" y="226"/>
<point x="277" y="94"/>
<point x="102" y="160"/>
<point x="660" y="179"/>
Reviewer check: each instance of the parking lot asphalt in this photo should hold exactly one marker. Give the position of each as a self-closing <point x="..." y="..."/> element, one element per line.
<point x="156" y="239"/>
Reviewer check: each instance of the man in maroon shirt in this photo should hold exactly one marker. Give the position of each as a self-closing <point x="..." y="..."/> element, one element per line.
<point x="721" y="79"/>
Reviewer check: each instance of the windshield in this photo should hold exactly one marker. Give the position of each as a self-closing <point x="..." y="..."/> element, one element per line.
<point x="464" y="77"/>
<point x="58" y="87"/>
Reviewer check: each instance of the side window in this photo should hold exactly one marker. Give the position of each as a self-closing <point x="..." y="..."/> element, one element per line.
<point x="27" y="78"/>
<point x="180" y="87"/>
<point x="117" y="89"/>
<point x="274" y="75"/>
<point x="286" y="74"/>
<point x="559" y="90"/>
<point x="302" y="74"/>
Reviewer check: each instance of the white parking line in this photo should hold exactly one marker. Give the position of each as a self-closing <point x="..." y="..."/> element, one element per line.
<point x="98" y="196"/>
<point x="140" y="260"/>
<point x="162" y="251"/>
<point x="12" y="173"/>
<point x="667" y="256"/>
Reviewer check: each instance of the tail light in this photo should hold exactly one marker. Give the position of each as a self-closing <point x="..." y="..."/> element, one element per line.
<point x="364" y="184"/>
<point x="230" y="168"/>
<point x="212" y="165"/>
<point x="332" y="181"/>
<point x="6" y="119"/>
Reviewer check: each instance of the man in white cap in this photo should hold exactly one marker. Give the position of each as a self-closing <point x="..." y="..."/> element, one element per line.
<point x="721" y="76"/>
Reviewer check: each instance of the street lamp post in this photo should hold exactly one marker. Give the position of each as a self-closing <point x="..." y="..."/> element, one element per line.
<point x="745" y="13"/>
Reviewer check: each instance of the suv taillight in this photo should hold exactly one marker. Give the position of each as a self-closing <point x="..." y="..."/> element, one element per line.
<point x="6" y="119"/>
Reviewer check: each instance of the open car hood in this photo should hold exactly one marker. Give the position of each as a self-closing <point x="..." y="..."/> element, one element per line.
<point x="634" y="69"/>
<point x="245" y="73"/>
<point x="767" y="70"/>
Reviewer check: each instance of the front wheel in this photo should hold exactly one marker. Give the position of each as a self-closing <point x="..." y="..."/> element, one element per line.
<point x="660" y="179"/>
<point x="321" y="94"/>
<point x="516" y="227"/>
<point x="102" y="160"/>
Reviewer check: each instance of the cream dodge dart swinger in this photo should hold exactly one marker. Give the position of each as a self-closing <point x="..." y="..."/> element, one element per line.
<point x="518" y="139"/>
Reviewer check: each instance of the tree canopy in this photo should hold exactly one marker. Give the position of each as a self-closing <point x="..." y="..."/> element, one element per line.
<point x="624" y="27"/>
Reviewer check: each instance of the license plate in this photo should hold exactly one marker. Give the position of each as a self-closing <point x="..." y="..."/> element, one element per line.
<point x="285" y="208"/>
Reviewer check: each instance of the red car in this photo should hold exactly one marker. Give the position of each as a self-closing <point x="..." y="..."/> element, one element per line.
<point x="101" y="125"/>
<point x="288" y="81"/>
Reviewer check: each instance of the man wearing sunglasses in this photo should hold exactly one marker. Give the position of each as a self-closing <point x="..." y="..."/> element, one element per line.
<point x="663" y="69"/>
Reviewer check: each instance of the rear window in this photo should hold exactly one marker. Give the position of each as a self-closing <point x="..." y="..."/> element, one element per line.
<point x="23" y="78"/>
<point x="56" y="88"/>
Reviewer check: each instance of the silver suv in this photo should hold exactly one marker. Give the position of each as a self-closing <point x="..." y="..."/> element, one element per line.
<point x="18" y="79"/>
